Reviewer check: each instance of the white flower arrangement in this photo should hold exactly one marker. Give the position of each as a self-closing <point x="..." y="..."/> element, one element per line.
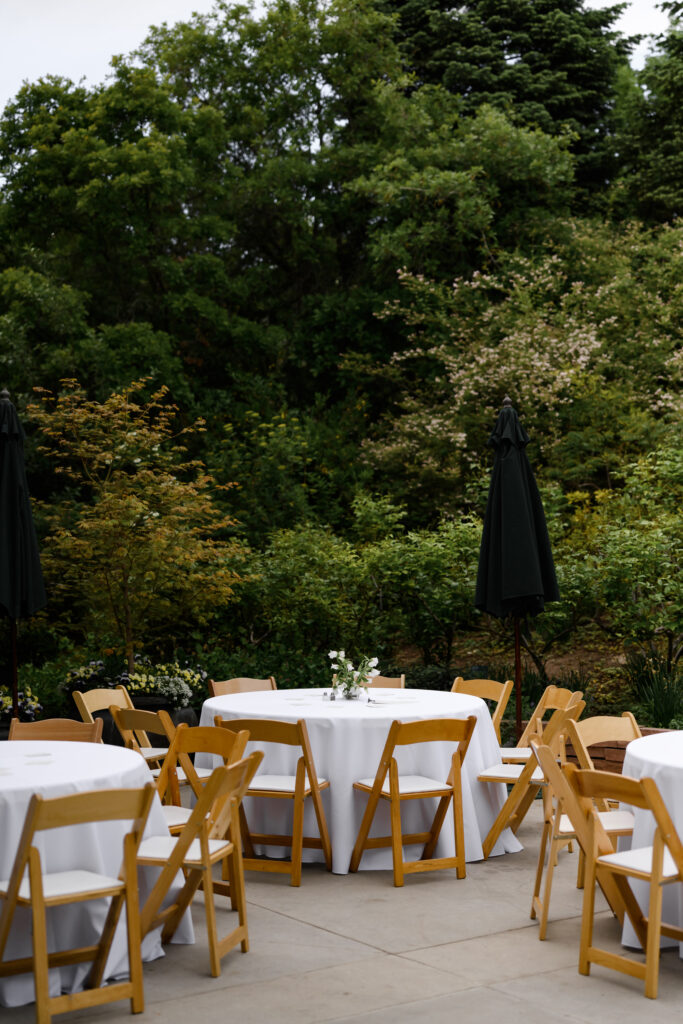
<point x="350" y="680"/>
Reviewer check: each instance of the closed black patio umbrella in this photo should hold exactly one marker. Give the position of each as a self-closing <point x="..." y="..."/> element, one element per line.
<point x="516" y="574"/>
<point x="22" y="590"/>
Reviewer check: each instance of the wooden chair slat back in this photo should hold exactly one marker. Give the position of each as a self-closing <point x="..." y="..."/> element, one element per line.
<point x="130" y="722"/>
<point x="487" y="689"/>
<point x="207" y="739"/>
<point x="90" y="701"/>
<point x="553" y="698"/>
<point x="241" y="684"/>
<point x="389" y="682"/>
<point x="601" y="729"/>
<point x="230" y="746"/>
<point x="48" y="729"/>
<point x="596" y="785"/>
<point x="100" y="805"/>
<point x="266" y="730"/>
<point x="431" y="730"/>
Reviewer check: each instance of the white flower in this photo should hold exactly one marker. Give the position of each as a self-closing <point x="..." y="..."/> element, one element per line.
<point x="373" y="664"/>
<point x="374" y="672"/>
<point x="342" y="654"/>
<point x="332" y="654"/>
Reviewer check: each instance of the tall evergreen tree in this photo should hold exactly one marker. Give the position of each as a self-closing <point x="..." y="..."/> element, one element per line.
<point x="551" y="63"/>
<point x="651" y="131"/>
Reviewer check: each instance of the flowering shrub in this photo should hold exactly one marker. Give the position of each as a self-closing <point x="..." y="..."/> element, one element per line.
<point x="349" y="679"/>
<point x="28" y="705"/>
<point x="179" y="685"/>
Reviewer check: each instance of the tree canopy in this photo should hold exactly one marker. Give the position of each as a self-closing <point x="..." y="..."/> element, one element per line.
<point x="337" y="232"/>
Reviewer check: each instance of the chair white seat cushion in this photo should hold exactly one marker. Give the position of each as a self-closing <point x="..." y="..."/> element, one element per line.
<point x="410" y="784"/>
<point x="154" y="753"/>
<point x="513" y="754"/>
<point x="611" y="821"/>
<point x="508" y="773"/>
<point x="639" y="860"/>
<point x="203" y="773"/>
<point x="176" y="815"/>
<point x="67" y="883"/>
<point x="160" y="848"/>
<point x="277" y="783"/>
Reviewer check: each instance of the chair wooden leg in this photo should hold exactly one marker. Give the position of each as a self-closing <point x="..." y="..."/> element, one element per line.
<point x="237" y="871"/>
<point x="246" y="835"/>
<point x="654" y="924"/>
<point x="587" y="918"/>
<point x="137" y="1001"/>
<point x="298" y="828"/>
<point x="40" y="962"/>
<point x="323" y="831"/>
<point x="581" y="869"/>
<point x="364" y="830"/>
<point x="212" y="934"/>
<point x="545" y="835"/>
<point x="458" y="823"/>
<point x="552" y="861"/>
<point x="396" y="834"/>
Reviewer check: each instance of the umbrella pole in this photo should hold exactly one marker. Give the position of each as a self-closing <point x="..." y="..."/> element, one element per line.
<point x="518" y="681"/>
<point x="15" y="688"/>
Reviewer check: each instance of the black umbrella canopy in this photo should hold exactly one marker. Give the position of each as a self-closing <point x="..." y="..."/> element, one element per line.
<point x="22" y="590"/>
<point x="516" y="574"/>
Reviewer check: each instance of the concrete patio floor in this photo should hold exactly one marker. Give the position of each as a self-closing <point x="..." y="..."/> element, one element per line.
<point x="353" y="948"/>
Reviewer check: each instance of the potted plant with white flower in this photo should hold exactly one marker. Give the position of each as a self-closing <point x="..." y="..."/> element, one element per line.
<point x="349" y="681"/>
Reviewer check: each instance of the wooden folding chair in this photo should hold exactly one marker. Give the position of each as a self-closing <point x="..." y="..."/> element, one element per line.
<point x="296" y="788"/>
<point x="178" y="766"/>
<point x="242" y="684"/>
<point x="601" y="729"/>
<point x="200" y="845"/>
<point x="390" y="682"/>
<point x="89" y="702"/>
<point x="131" y="723"/>
<point x="553" y="698"/>
<point x="417" y="787"/>
<point x="525" y="779"/>
<point x="559" y="830"/>
<point x="579" y="812"/>
<point x="660" y="864"/>
<point x="56" y="729"/>
<point x="487" y="689"/>
<point x="31" y="886"/>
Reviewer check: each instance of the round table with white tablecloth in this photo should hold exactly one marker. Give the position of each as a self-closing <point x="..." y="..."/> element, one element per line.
<point x="347" y="738"/>
<point x="658" y="757"/>
<point x="56" y="769"/>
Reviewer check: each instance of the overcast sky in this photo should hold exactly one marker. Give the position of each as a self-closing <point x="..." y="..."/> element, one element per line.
<point x="77" y="38"/>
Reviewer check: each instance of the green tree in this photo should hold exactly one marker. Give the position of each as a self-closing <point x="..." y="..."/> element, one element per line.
<point x="650" y="131"/>
<point x="585" y="340"/>
<point x="552" y="65"/>
<point x="138" y="549"/>
<point x="447" y="192"/>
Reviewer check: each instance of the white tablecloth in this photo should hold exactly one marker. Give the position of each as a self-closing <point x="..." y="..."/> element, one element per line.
<point x="59" y="769"/>
<point x="658" y="757"/>
<point x="347" y="739"/>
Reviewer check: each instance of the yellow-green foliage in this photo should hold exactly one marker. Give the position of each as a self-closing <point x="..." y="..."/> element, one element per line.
<point x="143" y="543"/>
